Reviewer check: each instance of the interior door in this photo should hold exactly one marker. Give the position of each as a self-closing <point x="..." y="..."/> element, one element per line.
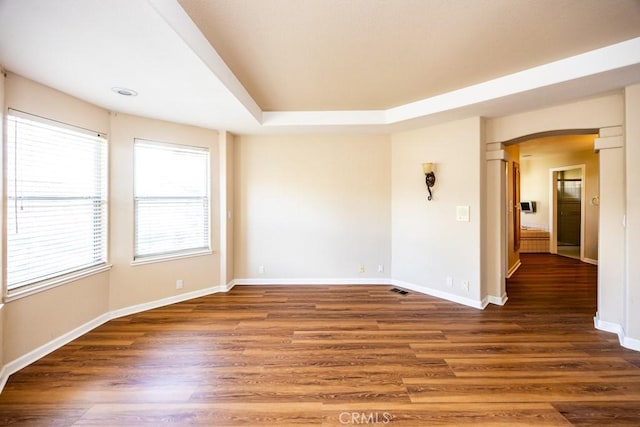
<point x="569" y="209"/>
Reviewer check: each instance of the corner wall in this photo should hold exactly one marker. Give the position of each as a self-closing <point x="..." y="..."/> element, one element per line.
<point x="427" y="242"/>
<point x="33" y="325"/>
<point x="35" y="320"/>
<point x="312" y="209"/>
<point x="138" y="284"/>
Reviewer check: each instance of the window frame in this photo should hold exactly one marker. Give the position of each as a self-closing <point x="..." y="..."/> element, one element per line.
<point x="179" y="253"/>
<point x="54" y="279"/>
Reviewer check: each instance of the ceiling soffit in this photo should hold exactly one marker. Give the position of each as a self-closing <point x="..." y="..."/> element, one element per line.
<point x="318" y="55"/>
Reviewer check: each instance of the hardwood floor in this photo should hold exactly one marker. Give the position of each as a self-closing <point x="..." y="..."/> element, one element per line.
<point x="344" y="355"/>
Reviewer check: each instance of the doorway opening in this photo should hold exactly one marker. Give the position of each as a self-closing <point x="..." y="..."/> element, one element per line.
<point x="568" y="212"/>
<point x="552" y="192"/>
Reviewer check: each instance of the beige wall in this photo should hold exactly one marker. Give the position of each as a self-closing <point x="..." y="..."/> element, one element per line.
<point x="611" y="271"/>
<point x="632" y="129"/>
<point x="33" y="98"/>
<point x="586" y="114"/>
<point x="318" y="206"/>
<point x="428" y="244"/>
<point x="137" y="284"/>
<point x="42" y="317"/>
<point x="535" y="185"/>
<point x="34" y="320"/>
<point x="37" y="319"/>
<point x="310" y="207"/>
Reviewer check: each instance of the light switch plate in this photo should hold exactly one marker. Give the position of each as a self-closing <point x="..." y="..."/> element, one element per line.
<point x="462" y="213"/>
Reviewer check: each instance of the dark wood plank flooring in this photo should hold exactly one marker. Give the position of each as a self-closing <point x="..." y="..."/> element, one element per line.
<point x="344" y="355"/>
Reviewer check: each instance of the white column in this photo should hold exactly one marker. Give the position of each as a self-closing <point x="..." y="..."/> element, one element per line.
<point x="495" y="246"/>
<point x="611" y="235"/>
<point x="225" y="144"/>
<point x="632" y="219"/>
<point x="3" y="284"/>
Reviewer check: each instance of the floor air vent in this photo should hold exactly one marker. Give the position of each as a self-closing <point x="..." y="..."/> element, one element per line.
<point x="399" y="291"/>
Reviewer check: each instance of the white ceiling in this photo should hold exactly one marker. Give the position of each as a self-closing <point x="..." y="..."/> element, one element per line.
<point x="252" y="66"/>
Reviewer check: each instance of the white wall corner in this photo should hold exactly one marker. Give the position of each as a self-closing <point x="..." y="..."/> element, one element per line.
<point x="625" y="341"/>
<point x="497" y="300"/>
<point x="605" y="326"/>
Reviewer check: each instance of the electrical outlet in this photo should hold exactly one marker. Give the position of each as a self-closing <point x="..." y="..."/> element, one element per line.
<point x="380" y="268"/>
<point x="261" y="269"/>
<point x="449" y="282"/>
<point x="361" y="268"/>
<point x="465" y="285"/>
<point x="179" y="284"/>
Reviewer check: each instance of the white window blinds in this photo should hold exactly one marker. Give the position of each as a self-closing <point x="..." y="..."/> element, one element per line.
<point x="171" y="191"/>
<point x="56" y="199"/>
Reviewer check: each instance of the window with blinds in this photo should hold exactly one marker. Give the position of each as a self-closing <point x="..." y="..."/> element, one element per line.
<point x="171" y="192"/>
<point x="56" y="208"/>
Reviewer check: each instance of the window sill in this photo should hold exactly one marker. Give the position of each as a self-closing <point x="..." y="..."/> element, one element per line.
<point x="172" y="257"/>
<point x="27" y="290"/>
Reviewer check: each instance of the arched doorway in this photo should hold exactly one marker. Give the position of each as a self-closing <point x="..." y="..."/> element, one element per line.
<point x="553" y="198"/>
<point x="498" y="202"/>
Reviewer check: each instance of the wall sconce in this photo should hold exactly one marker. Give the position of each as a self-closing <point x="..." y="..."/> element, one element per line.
<point x="429" y="177"/>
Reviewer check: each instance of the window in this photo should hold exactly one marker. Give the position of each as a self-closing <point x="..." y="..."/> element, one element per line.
<point x="171" y="192"/>
<point x="56" y="199"/>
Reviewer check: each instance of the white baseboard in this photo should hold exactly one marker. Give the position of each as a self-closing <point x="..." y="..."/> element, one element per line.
<point x="631" y="343"/>
<point x="514" y="268"/>
<point x="590" y="261"/>
<point x="365" y="281"/>
<point x="603" y="325"/>
<point x="4" y="376"/>
<point x="490" y="299"/>
<point x="314" y="281"/>
<point x="470" y="302"/>
<point x="625" y="341"/>
<point x="34" y="355"/>
<point x="170" y="300"/>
